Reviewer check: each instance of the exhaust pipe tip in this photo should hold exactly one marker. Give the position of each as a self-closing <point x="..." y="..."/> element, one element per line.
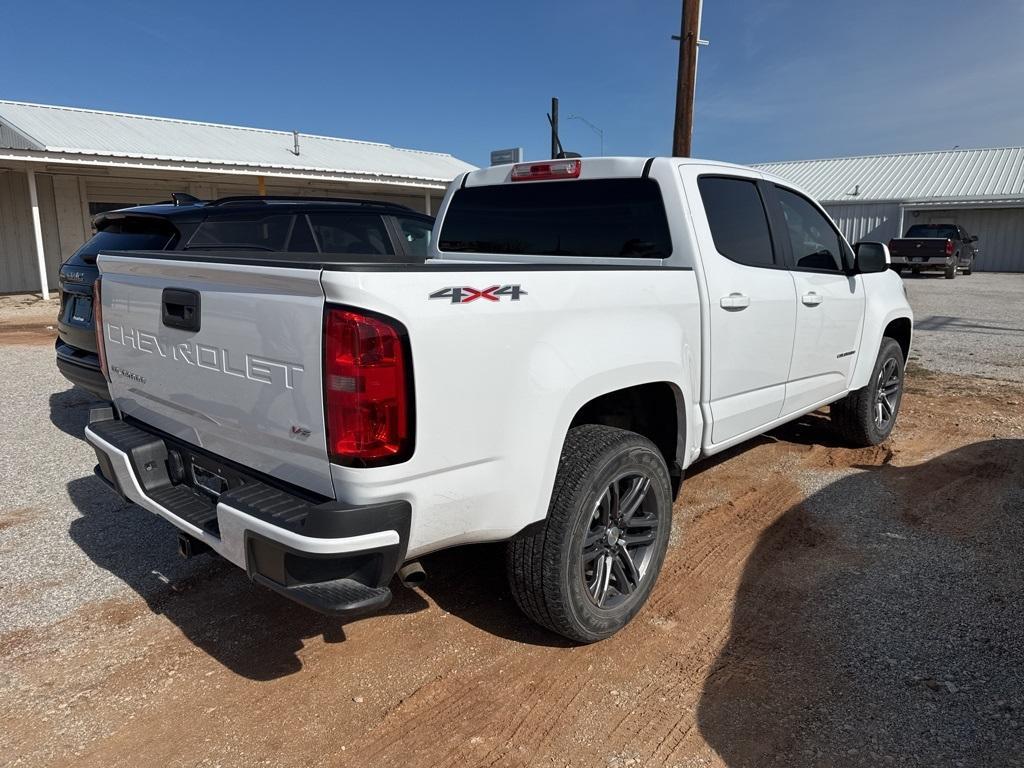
<point x="412" y="574"/>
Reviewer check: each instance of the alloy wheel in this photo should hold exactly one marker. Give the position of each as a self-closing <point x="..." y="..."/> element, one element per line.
<point x="619" y="544"/>
<point x="887" y="392"/>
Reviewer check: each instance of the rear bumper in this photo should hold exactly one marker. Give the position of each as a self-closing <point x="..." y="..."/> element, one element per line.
<point x="932" y="262"/>
<point x="82" y="369"/>
<point x="332" y="557"/>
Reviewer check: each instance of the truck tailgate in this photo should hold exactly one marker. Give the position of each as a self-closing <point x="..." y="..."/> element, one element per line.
<point x="224" y="356"/>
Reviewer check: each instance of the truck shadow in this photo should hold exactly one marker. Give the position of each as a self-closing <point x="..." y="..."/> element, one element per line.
<point x="69" y="410"/>
<point x="879" y="622"/>
<point x="247" y="628"/>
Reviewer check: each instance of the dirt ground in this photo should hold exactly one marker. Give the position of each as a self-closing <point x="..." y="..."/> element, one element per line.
<point x="819" y="606"/>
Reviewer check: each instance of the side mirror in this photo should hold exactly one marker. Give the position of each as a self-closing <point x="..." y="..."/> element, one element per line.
<point x="870" y="257"/>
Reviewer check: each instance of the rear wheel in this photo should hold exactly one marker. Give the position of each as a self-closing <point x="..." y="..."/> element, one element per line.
<point x="951" y="271"/>
<point x="915" y="271"/>
<point x="867" y="416"/>
<point x="590" y="568"/>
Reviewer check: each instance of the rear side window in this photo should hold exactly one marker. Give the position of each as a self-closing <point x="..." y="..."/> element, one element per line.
<point x="355" y="233"/>
<point x="133" y="234"/>
<point x="739" y="224"/>
<point x="598" y="218"/>
<point x="815" y="244"/>
<point x="257" y="232"/>
<point x="416" y="234"/>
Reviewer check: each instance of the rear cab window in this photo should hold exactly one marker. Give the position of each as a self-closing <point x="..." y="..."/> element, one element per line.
<point x="603" y="218"/>
<point x="941" y="231"/>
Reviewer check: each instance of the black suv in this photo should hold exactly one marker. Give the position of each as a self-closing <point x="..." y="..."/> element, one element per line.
<point x="290" y="225"/>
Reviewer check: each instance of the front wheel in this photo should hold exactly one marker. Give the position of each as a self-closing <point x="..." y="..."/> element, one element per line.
<point x="867" y="415"/>
<point x="590" y="568"/>
<point x="970" y="268"/>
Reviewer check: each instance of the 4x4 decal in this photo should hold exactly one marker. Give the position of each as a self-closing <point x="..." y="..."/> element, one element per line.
<point x="464" y="294"/>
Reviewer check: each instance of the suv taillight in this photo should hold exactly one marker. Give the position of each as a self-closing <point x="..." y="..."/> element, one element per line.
<point x="949" y="247"/>
<point x="97" y="321"/>
<point x="367" y="389"/>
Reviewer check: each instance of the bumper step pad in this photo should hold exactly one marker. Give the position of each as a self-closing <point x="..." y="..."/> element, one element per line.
<point x="342" y="597"/>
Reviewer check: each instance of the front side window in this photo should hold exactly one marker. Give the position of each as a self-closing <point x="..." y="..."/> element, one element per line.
<point x="354" y="233"/>
<point x="416" y="234"/>
<point x="815" y="243"/>
<point x="736" y="215"/>
<point x="604" y="218"/>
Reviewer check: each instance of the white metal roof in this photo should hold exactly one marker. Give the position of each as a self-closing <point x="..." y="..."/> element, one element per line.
<point x="954" y="175"/>
<point x="73" y="131"/>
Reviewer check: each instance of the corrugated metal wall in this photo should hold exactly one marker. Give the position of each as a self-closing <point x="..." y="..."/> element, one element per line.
<point x="18" y="270"/>
<point x="1000" y="233"/>
<point x="866" y="221"/>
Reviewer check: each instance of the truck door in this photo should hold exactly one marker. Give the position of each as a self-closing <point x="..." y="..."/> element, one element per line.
<point x="751" y="302"/>
<point x="830" y="303"/>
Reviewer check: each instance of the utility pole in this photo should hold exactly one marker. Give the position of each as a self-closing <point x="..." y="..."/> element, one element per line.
<point x="555" y="146"/>
<point x="686" y="81"/>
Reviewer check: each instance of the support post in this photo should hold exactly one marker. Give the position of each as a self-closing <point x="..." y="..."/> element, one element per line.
<point x="261" y="185"/>
<point x="427" y="205"/>
<point x="686" y="78"/>
<point x="555" y="147"/>
<point x="37" y="229"/>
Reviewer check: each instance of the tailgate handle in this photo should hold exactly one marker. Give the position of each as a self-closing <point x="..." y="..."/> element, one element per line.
<point x="180" y="308"/>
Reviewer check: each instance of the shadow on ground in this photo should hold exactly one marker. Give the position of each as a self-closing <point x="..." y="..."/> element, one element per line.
<point x="250" y="629"/>
<point x="880" y="622"/>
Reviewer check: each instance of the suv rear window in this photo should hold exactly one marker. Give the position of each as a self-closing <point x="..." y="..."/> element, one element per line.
<point x="622" y="218"/>
<point x="133" y="234"/>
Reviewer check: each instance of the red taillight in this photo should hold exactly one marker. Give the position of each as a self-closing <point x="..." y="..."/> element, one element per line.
<point x="97" y="322"/>
<point x="949" y="247"/>
<point x="555" y="169"/>
<point x="367" y="398"/>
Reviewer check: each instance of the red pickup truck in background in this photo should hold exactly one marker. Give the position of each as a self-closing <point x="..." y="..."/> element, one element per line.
<point x="945" y="247"/>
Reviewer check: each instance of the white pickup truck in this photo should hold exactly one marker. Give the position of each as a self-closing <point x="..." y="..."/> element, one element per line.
<point x="581" y="332"/>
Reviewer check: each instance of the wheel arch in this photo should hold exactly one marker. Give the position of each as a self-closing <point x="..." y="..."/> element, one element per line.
<point x="656" y="410"/>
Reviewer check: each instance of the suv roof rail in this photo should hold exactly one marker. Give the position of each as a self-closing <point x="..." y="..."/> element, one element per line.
<point x="244" y="199"/>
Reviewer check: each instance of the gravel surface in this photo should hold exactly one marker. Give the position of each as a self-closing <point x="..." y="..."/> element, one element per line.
<point x="972" y="325"/>
<point x="58" y="522"/>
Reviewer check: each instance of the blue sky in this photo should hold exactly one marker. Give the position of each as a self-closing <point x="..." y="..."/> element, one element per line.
<point x="781" y="79"/>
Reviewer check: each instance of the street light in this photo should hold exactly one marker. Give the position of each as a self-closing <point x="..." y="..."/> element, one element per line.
<point x="592" y="127"/>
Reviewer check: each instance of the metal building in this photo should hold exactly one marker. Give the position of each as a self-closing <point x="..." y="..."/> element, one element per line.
<point x="877" y="197"/>
<point x="59" y="166"/>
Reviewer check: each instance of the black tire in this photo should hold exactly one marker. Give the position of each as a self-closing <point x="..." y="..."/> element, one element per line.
<point x="970" y="268"/>
<point x="915" y="271"/>
<point x="547" y="569"/>
<point x="855" y="416"/>
<point x="950" y="271"/>
<point x="898" y="271"/>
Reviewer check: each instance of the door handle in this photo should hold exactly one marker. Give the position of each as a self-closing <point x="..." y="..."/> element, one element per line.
<point x="735" y="301"/>
<point x="811" y="299"/>
<point x="179" y="308"/>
